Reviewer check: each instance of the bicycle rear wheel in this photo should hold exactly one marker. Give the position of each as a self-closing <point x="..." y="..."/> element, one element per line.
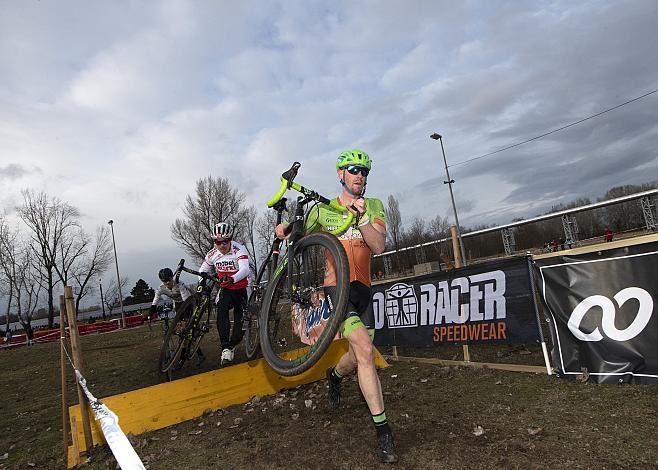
<point x="176" y="336"/>
<point x="297" y="326"/>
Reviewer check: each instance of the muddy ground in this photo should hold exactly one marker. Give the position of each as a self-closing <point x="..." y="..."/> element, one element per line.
<point x="443" y="417"/>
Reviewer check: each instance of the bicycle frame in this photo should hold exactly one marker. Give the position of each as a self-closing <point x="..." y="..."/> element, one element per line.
<point x="296" y="229"/>
<point x="202" y="293"/>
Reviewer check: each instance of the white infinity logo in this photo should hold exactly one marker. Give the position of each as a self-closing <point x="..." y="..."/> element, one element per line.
<point x="609" y="311"/>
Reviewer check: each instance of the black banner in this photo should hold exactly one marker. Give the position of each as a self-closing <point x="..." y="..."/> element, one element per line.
<point x="602" y="307"/>
<point x="485" y="303"/>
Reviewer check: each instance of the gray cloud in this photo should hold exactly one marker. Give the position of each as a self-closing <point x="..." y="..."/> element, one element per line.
<point x="14" y="171"/>
<point x="131" y="103"/>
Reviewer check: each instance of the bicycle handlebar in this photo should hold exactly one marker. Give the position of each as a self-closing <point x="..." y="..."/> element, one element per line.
<point x="206" y="276"/>
<point x="287" y="183"/>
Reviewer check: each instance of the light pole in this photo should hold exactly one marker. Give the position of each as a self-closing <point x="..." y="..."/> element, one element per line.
<point x="438" y="137"/>
<point x="100" y="284"/>
<point x="116" y="263"/>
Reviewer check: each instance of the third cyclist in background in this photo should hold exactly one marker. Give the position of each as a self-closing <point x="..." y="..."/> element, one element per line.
<point x="176" y="291"/>
<point x="230" y="261"/>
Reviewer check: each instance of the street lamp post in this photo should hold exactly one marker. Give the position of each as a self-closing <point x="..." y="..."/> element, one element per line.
<point x="438" y="137"/>
<point x="116" y="263"/>
<point x="100" y="285"/>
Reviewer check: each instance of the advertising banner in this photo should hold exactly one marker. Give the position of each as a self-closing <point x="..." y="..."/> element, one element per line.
<point x="602" y="306"/>
<point x="485" y="303"/>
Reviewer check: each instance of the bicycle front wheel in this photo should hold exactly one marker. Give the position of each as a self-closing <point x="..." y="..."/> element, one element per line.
<point x="251" y="336"/>
<point x="176" y="336"/>
<point x="300" y="316"/>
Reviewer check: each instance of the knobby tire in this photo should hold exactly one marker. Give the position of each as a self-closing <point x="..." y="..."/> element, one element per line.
<point x="167" y="358"/>
<point x="251" y="335"/>
<point x="286" y="367"/>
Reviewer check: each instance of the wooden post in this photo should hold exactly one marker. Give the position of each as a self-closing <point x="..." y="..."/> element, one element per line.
<point x="77" y="360"/>
<point x="62" y="360"/>
<point x="74" y="441"/>
<point x="458" y="264"/>
<point x="455" y="247"/>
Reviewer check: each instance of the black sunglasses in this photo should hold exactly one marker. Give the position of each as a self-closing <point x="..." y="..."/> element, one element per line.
<point x="355" y="170"/>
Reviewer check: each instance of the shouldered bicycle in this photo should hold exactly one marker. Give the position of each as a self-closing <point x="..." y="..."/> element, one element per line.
<point x="300" y="308"/>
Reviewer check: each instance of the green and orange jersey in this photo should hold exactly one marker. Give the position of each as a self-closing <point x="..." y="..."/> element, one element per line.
<point x="323" y="217"/>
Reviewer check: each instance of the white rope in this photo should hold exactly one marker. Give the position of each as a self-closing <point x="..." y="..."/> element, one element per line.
<point x="123" y="451"/>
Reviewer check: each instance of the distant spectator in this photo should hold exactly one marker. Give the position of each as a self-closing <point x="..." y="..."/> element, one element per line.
<point x="380" y="274"/>
<point x="562" y="243"/>
<point x="8" y="336"/>
<point x="554" y="245"/>
<point x="608" y="234"/>
<point x="568" y="242"/>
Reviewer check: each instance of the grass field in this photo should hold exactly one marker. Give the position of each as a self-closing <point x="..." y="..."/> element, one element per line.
<point x="442" y="417"/>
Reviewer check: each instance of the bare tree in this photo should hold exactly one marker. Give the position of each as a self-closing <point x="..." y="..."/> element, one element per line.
<point x="416" y="234"/>
<point x="97" y="259"/>
<point x="28" y="295"/>
<point x="22" y="288"/>
<point x="627" y="215"/>
<point x="215" y="200"/>
<point x="8" y="241"/>
<point x="394" y="222"/>
<point x="394" y="229"/>
<point x="250" y="237"/>
<point x="439" y="228"/>
<point x="71" y="250"/>
<point x="111" y="297"/>
<point x="50" y="220"/>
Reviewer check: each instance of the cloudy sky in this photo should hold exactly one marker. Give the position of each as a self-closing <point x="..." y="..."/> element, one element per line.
<point x="119" y="107"/>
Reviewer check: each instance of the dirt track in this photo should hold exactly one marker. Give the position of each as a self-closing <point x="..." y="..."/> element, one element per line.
<point x="442" y="417"/>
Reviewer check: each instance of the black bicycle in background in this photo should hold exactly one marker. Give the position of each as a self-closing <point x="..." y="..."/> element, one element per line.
<point x="191" y="323"/>
<point x="258" y="288"/>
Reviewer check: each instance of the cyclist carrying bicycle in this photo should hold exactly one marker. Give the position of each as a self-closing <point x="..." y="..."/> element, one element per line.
<point x="230" y="261"/>
<point x="369" y="236"/>
<point x="176" y="291"/>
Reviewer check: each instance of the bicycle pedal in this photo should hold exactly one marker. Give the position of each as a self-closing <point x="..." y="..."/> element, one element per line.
<point x="205" y="328"/>
<point x="283" y="343"/>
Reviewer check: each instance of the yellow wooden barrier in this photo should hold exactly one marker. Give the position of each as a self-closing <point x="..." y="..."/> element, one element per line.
<point x="162" y="405"/>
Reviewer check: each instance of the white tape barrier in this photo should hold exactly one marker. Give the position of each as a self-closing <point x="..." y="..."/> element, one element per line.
<point x="126" y="456"/>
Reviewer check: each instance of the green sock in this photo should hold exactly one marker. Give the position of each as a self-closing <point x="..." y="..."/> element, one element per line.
<point x="335" y="375"/>
<point x="381" y="423"/>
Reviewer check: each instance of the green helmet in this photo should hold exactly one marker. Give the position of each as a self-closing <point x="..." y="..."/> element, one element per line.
<point x="353" y="157"/>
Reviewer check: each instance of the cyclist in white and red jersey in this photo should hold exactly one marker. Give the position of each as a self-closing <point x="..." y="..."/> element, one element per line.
<point x="230" y="261"/>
